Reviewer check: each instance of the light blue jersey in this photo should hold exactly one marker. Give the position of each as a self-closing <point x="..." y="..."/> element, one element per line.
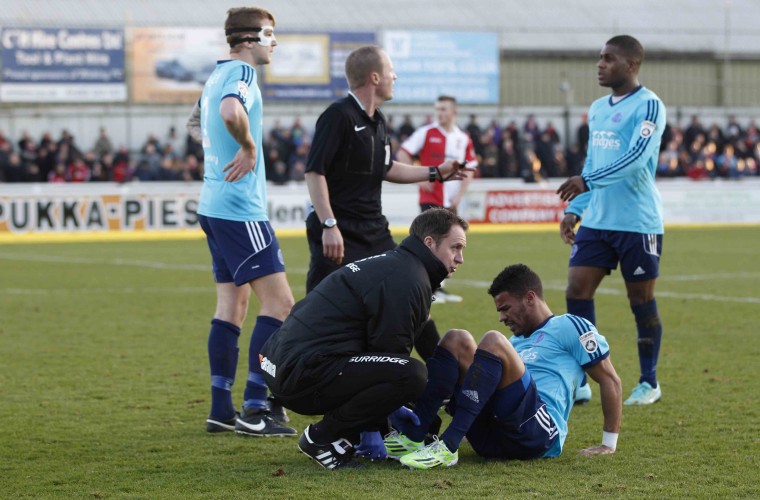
<point x="246" y="199"/>
<point x="555" y="355"/>
<point x="623" y="149"/>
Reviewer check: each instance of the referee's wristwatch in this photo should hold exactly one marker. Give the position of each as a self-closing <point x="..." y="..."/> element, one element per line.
<point x="330" y="222"/>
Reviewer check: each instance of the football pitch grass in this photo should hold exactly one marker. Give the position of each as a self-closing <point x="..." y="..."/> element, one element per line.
<point x="104" y="384"/>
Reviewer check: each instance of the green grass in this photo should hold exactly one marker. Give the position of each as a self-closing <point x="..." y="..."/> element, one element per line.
<point x="104" y="379"/>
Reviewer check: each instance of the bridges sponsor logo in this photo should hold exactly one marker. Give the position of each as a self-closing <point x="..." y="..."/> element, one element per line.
<point x="605" y="140"/>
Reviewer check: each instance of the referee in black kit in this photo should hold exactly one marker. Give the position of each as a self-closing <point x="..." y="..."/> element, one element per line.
<point x="349" y="158"/>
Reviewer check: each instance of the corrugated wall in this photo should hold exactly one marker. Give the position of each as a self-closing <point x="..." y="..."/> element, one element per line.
<point x="538" y="81"/>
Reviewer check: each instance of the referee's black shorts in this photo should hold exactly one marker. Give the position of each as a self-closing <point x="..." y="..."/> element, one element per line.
<point x="361" y="239"/>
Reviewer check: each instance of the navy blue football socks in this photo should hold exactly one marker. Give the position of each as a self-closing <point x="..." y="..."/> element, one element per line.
<point x="223" y="358"/>
<point x="443" y="373"/>
<point x="480" y="382"/>
<point x="649" y="329"/>
<point x="585" y="309"/>
<point x="255" y="395"/>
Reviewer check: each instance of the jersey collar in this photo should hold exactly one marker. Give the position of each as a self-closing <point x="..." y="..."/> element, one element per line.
<point x="525" y="336"/>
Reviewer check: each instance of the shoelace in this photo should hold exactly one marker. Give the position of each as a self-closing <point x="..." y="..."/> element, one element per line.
<point x="434" y="447"/>
<point x="392" y="434"/>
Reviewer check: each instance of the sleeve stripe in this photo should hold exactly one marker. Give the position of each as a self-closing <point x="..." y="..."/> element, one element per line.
<point x="581" y="325"/>
<point x="597" y="360"/>
<point x="653" y="111"/>
<point x="247" y="76"/>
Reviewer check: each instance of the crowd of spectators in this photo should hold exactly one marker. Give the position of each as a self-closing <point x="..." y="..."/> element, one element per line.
<point x="170" y="158"/>
<point x="528" y="151"/>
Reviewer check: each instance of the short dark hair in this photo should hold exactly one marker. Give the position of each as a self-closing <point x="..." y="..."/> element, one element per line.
<point x="451" y="99"/>
<point x="361" y="63"/>
<point x="436" y="223"/>
<point x="517" y="280"/>
<point x="629" y="46"/>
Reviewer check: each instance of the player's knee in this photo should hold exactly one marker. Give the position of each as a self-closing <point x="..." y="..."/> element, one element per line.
<point x="458" y="342"/>
<point x="494" y="343"/>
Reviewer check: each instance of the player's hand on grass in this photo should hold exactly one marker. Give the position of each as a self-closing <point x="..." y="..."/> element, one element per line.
<point x="567" y="228"/>
<point x="332" y="244"/>
<point x="571" y="188"/>
<point x="371" y="446"/>
<point x="597" y="450"/>
<point x="243" y="162"/>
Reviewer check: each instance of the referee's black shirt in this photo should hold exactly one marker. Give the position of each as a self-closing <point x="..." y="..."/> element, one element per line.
<point x="353" y="152"/>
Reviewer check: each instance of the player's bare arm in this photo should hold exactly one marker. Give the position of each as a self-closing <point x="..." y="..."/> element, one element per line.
<point x="332" y="239"/>
<point x="567" y="228"/>
<point x="611" y="391"/>
<point x="236" y="120"/>
<point x="571" y="188"/>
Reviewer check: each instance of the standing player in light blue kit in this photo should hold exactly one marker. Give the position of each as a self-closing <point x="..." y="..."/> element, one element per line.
<point x="620" y="207"/>
<point x="233" y="213"/>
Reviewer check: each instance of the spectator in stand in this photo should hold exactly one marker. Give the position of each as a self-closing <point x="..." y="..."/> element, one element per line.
<point x="475" y="133"/>
<point x="172" y="139"/>
<point x="582" y="135"/>
<point x="58" y="174"/>
<point x="28" y="153"/>
<point x="194" y="168"/>
<point x="728" y="165"/>
<point x="5" y="144"/>
<point x="13" y="170"/>
<point x="531" y="128"/>
<point x="151" y="140"/>
<point x="46" y="158"/>
<point x="509" y="161"/>
<point x="32" y="173"/>
<point x="406" y="129"/>
<point x="715" y="135"/>
<point x="733" y="130"/>
<point x="103" y="145"/>
<point x="152" y="157"/>
<point x="544" y="148"/>
<point x="98" y="173"/>
<point x="142" y="172"/>
<point x="71" y="148"/>
<point x="668" y="164"/>
<point x="297" y="162"/>
<point x="78" y="171"/>
<point x="552" y="133"/>
<point x="694" y="130"/>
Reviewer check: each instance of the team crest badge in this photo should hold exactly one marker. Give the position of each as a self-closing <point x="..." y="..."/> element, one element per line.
<point x="588" y="341"/>
<point x="243" y="89"/>
<point x="647" y="129"/>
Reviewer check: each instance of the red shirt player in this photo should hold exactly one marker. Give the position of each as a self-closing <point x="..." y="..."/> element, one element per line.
<point x="435" y="143"/>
